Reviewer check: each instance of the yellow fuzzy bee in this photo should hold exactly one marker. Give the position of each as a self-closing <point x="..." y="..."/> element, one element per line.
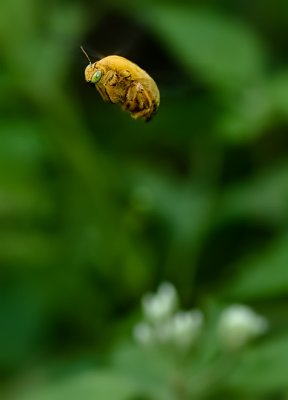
<point x="119" y="80"/>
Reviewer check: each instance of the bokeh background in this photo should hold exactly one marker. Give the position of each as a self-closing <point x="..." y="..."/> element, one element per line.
<point x="97" y="208"/>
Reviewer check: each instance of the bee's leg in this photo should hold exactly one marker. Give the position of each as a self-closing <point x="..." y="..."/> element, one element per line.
<point x="103" y="92"/>
<point x="137" y="98"/>
<point x="139" y="103"/>
<point x="145" y="114"/>
<point x="111" y="78"/>
<point x="113" y="87"/>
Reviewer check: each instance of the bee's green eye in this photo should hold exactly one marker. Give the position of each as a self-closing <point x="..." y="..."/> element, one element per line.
<point x="96" y="77"/>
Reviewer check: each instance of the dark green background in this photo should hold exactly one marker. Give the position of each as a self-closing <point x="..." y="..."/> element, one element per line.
<point x="97" y="208"/>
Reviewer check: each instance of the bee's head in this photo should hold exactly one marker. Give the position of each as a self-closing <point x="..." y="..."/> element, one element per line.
<point x="92" y="73"/>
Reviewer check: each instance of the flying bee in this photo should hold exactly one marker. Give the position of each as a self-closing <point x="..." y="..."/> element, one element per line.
<point x="119" y="80"/>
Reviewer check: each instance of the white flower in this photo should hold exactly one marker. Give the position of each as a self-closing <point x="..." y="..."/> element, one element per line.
<point x="164" y="332"/>
<point x="143" y="334"/>
<point x="159" y="307"/>
<point x="186" y="326"/>
<point x="238" y="324"/>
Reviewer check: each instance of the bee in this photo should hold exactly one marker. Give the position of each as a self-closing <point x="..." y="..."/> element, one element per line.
<point x="120" y="81"/>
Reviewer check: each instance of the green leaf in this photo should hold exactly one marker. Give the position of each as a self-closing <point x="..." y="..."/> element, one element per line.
<point x="21" y="144"/>
<point x="223" y="51"/>
<point x="184" y="207"/>
<point x="22" y="314"/>
<point x="246" y="115"/>
<point x="279" y="93"/>
<point x="262" y="369"/>
<point x="101" y="384"/>
<point x="264" y="197"/>
<point x="150" y="368"/>
<point x="29" y="248"/>
<point x="263" y="274"/>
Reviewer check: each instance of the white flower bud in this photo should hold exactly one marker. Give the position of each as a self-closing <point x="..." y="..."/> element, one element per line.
<point x="238" y="324"/>
<point x="143" y="334"/>
<point x="186" y="326"/>
<point x="158" y="307"/>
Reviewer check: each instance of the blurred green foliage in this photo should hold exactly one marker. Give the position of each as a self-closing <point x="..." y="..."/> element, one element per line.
<point x="96" y="208"/>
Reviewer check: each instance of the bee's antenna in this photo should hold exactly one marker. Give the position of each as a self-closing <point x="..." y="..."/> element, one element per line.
<point x="81" y="47"/>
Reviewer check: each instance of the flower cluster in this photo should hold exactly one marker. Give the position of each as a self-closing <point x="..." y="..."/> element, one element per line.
<point x="165" y="324"/>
